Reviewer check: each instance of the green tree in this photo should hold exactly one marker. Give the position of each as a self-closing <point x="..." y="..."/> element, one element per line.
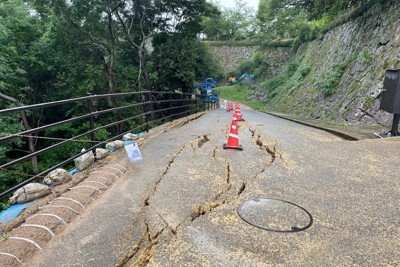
<point x="20" y="36"/>
<point x="281" y="18"/>
<point x="238" y="22"/>
<point x="142" y="20"/>
<point x="212" y="22"/>
<point x="22" y="77"/>
<point x="179" y="60"/>
<point x="95" y="23"/>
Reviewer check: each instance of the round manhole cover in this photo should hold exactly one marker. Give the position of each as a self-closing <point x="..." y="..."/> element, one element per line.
<point x="275" y="215"/>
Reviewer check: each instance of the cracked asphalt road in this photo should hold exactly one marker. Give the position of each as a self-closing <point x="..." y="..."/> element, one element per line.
<point x="177" y="207"/>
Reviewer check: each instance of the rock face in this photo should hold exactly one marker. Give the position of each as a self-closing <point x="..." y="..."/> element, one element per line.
<point x="231" y="56"/>
<point x="353" y="56"/>
<point x="365" y="48"/>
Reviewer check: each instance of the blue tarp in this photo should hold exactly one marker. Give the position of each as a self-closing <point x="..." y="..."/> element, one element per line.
<point x="12" y="212"/>
<point x="73" y="171"/>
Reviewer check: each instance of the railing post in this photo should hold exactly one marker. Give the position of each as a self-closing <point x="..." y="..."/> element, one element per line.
<point x="170" y="105"/>
<point x="91" y="121"/>
<point x="149" y="117"/>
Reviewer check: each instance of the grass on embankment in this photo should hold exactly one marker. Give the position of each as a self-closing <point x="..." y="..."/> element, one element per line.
<point x="238" y="93"/>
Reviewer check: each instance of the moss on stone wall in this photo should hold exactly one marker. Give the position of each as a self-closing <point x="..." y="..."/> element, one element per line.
<point x="337" y="77"/>
<point x="343" y="71"/>
<point x="233" y="57"/>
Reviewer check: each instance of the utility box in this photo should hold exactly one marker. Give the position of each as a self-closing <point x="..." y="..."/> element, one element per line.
<point x="390" y="100"/>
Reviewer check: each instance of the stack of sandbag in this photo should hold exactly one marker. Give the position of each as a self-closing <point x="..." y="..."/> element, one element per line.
<point x="84" y="161"/>
<point x="29" y="192"/>
<point x="114" y="145"/>
<point x="57" y="177"/>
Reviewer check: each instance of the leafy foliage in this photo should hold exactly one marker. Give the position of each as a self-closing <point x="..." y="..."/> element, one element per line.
<point x="288" y="82"/>
<point x="178" y="61"/>
<point x="305" y="20"/>
<point x="329" y="82"/>
<point x="258" y="66"/>
<point x="231" y="23"/>
<point x="52" y="50"/>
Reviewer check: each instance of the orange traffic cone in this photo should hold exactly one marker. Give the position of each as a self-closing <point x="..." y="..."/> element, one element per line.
<point x="238" y="114"/>
<point x="235" y="117"/>
<point x="228" y="107"/>
<point x="233" y="138"/>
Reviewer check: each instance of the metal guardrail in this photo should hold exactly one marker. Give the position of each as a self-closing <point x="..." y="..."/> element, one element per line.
<point x="152" y="107"/>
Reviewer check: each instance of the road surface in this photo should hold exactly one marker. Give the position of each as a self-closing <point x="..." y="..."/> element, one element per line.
<point x="178" y="206"/>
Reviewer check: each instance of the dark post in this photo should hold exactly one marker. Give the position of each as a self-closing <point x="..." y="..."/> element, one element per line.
<point x="170" y="105"/>
<point x="390" y="100"/>
<point x="149" y="117"/>
<point x="91" y="122"/>
<point x="150" y="98"/>
<point x="395" y="125"/>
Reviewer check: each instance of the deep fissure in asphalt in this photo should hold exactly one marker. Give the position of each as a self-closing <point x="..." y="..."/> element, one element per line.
<point x="143" y="250"/>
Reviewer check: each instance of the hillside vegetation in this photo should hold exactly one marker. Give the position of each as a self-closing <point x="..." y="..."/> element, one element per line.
<point x="54" y="50"/>
<point x="340" y="51"/>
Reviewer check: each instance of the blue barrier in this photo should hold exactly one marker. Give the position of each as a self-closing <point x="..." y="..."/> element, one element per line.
<point x="12" y="212"/>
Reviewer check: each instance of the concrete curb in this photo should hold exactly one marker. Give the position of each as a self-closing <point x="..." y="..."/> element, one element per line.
<point x="350" y="135"/>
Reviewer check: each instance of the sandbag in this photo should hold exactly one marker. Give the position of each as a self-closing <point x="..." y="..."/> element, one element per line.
<point x="57" y="177"/>
<point x="101" y="153"/>
<point x="112" y="146"/>
<point x="29" y="192"/>
<point x="130" y="136"/>
<point x="84" y="161"/>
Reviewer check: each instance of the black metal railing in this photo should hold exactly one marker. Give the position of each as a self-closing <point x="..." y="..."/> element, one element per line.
<point x="144" y="110"/>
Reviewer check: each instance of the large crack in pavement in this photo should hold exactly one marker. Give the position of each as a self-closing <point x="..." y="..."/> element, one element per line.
<point x="142" y="252"/>
<point x="144" y="249"/>
<point x="136" y="248"/>
<point x="181" y="123"/>
<point x="228" y="182"/>
<point x="132" y="251"/>
<point x="272" y="151"/>
<point x="209" y="207"/>
<point x="201" y="140"/>
<point x="215" y="203"/>
<point x="204" y="139"/>
<point x="169" y="164"/>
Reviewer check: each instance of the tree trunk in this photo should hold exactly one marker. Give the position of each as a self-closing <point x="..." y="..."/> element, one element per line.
<point x="145" y="71"/>
<point x="110" y="64"/>
<point x="31" y="141"/>
<point x="146" y="77"/>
